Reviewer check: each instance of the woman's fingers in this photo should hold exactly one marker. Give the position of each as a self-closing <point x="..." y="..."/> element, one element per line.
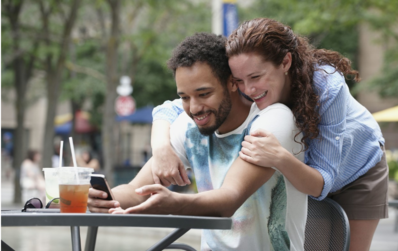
<point x="245" y="151"/>
<point x="184" y="174"/>
<point x="247" y="158"/>
<point x="156" y="179"/>
<point x="247" y="145"/>
<point x="142" y="208"/>
<point x="149" y="189"/>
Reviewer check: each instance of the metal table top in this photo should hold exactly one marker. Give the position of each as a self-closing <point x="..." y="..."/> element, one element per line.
<point x="17" y="218"/>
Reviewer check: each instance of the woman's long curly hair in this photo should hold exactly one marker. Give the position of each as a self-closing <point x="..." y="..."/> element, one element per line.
<point x="273" y="40"/>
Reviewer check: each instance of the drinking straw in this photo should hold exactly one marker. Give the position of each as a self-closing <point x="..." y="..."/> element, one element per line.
<point x="73" y="157"/>
<point x="60" y="153"/>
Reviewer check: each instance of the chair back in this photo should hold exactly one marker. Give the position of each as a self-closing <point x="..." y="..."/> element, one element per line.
<point x="327" y="226"/>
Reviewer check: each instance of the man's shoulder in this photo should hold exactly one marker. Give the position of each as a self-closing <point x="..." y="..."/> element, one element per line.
<point x="275" y="111"/>
<point x="182" y="121"/>
<point x="182" y="125"/>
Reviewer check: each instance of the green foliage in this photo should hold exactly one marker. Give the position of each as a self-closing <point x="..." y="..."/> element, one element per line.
<point x="154" y="83"/>
<point x="343" y="39"/>
<point x="7" y="79"/>
<point x="387" y="82"/>
<point x="86" y="54"/>
<point x="96" y="111"/>
<point x="393" y="170"/>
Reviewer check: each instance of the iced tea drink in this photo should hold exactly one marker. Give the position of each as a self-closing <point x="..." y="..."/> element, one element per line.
<point x="73" y="197"/>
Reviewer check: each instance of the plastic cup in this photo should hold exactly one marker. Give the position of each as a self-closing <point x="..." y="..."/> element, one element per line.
<point x="51" y="181"/>
<point x="74" y="183"/>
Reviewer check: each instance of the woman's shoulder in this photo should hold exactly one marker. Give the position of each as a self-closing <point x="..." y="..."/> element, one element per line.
<point x="27" y="164"/>
<point x="327" y="80"/>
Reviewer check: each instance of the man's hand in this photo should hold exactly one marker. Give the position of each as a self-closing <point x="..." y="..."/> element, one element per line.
<point x="162" y="201"/>
<point x="97" y="204"/>
<point x="168" y="169"/>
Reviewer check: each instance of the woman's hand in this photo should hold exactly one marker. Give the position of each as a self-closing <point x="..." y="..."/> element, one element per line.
<point x="162" y="201"/>
<point x="168" y="169"/>
<point x="261" y="148"/>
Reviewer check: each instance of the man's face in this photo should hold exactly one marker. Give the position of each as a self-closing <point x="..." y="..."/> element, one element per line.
<point x="204" y="98"/>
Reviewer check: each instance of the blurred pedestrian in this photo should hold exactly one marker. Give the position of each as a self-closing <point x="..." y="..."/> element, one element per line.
<point x="146" y="154"/>
<point x="86" y="159"/>
<point x="7" y="149"/>
<point x="56" y="157"/>
<point x="31" y="179"/>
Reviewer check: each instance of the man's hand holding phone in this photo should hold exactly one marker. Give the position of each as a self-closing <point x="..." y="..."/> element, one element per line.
<point x="97" y="202"/>
<point x="100" y="198"/>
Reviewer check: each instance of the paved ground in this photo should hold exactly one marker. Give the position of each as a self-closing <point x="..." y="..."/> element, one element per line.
<point x="58" y="238"/>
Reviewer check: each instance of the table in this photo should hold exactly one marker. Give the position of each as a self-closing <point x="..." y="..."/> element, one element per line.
<point x="94" y="220"/>
<point x="394" y="203"/>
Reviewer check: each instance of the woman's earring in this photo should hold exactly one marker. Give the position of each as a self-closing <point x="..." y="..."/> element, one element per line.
<point x="286" y="73"/>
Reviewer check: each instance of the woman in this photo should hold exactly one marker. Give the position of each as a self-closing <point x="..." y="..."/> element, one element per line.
<point x="344" y="147"/>
<point x="31" y="179"/>
<point x="86" y="160"/>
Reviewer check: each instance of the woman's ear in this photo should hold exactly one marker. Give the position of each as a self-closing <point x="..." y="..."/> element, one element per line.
<point x="287" y="62"/>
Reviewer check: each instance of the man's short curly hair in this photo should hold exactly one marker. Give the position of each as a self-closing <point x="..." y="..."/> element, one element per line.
<point x="202" y="47"/>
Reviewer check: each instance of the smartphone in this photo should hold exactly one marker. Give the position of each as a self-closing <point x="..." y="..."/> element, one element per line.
<point x="98" y="182"/>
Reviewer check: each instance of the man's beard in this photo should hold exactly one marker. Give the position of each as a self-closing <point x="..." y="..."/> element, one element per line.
<point x="221" y="115"/>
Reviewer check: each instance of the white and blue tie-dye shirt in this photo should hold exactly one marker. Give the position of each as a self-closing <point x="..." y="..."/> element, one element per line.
<point x="274" y="217"/>
<point x="349" y="140"/>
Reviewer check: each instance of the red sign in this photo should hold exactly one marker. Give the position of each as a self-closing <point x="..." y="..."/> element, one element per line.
<point x="125" y="105"/>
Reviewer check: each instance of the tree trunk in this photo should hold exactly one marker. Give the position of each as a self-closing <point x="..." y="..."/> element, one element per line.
<point x="20" y="106"/>
<point x="75" y="107"/>
<point x="53" y="87"/>
<point x="54" y="75"/>
<point x="108" y="121"/>
<point x="22" y="71"/>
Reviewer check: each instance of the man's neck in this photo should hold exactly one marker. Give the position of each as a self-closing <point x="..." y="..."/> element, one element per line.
<point x="239" y="111"/>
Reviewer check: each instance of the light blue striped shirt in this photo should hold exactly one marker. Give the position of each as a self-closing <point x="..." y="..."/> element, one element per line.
<point x="349" y="141"/>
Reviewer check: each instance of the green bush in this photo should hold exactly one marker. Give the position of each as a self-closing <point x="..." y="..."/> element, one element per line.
<point x="393" y="173"/>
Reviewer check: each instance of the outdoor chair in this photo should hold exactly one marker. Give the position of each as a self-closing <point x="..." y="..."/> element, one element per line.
<point x="327" y="226"/>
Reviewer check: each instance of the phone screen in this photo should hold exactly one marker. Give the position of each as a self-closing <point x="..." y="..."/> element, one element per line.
<point x="98" y="182"/>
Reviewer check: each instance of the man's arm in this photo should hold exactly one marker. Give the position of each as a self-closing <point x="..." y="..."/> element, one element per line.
<point x="242" y="180"/>
<point x="125" y="195"/>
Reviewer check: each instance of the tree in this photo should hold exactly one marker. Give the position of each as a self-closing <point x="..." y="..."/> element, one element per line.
<point x="21" y="61"/>
<point x="53" y="59"/>
<point x="131" y="46"/>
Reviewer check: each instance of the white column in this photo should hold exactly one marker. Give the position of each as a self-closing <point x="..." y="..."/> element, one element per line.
<point x="217" y="17"/>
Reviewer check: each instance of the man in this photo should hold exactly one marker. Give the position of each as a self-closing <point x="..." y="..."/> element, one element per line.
<point x="207" y="138"/>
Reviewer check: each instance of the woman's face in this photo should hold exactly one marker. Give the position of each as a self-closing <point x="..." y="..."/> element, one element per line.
<point x="37" y="158"/>
<point x="85" y="156"/>
<point x="261" y="80"/>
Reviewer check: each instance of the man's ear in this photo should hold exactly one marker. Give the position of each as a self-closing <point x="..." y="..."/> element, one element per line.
<point x="232" y="86"/>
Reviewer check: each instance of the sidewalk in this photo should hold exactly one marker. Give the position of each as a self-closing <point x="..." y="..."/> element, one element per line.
<point x="385" y="239"/>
